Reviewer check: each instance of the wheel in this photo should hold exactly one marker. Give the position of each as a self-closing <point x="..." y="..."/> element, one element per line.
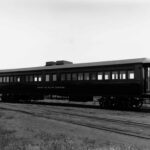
<point x="138" y="102"/>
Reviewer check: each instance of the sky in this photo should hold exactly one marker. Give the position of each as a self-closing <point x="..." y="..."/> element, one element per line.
<point x="35" y="31"/>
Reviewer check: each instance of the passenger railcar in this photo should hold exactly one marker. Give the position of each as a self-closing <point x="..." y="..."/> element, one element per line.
<point x="118" y="84"/>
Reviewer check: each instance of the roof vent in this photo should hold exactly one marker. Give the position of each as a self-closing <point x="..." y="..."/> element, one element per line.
<point x="63" y="62"/>
<point x="50" y="63"/>
<point x="59" y="62"/>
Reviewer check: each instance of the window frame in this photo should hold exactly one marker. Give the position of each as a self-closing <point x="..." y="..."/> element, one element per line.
<point x="47" y="77"/>
<point x="68" y="77"/>
<point x="54" y="77"/>
<point x="116" y="75"/>
<point x="100" y="76"/>
<point x="11" y="79"/>
<point x="129" y="73"/>
<point x="35" y="78"/>
<point x="86" y="76"/>
<point x="7" y="79"/>
<point x="74" y="76"/>
<point x="1" y="79"/>
<point x="80" y="76"/>
<point x="62" y="77"/>
<point x="4" y="79"/>
<point x="121" y="73"/>
<point x="39" y="78"/>
<point x="95" y="76"/>
<point x="18" y="79"/>
<point x="108" y="75"/>
<point x="31" y="77"/>
<point x="27" y="78"/>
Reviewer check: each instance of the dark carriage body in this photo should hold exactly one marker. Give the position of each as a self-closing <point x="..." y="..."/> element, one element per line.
<point x="79" y="82"/>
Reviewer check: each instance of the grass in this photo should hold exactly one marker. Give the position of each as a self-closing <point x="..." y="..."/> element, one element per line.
<point x="8" y="141"/>
<point x="46" y="141"/>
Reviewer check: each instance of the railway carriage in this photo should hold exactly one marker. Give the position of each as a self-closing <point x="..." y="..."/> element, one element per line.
<point x="118" y="84"/>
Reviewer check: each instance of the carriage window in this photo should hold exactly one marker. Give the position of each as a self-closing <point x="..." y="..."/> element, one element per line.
<point x="47" y="77"/>
<point x="31" y="78"/>
<point x="114" y="75"/>
<point x="100" y="76"/>
<point x="15" y="79"/>
<point x="93" y="76"/>
<point x="4" y="79"/>
<point x="80" y="76"/>
<point x="18" y="79"/>
<point x="7" y="79"/>
<point x="62" y="77"/>
<point x="40" y="78"/>
<point x="74" y="76"/>
<point x="54" y="77"/>
<point x="130" y="74"/>
<point x="11" y="79"/>
<point x="107" y="75"/>
<point x="68" y="76"/>
<point x="35" y="79"/>
<point x="27" y="78"/>
<point x="86" y="76"/>
<point x="122" y="75"/>
<point x="1" y="80"/>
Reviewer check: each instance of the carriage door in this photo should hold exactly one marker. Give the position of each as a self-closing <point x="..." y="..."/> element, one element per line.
<point x="148" y="79"/>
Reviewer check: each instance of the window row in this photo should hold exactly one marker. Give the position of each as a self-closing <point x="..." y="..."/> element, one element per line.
<point x="26" y="78"/>
<point x="99" y="76"/>
<point x="9" y="79"/>
<point x="114" y="75"/>
<point x="29" y="78"/>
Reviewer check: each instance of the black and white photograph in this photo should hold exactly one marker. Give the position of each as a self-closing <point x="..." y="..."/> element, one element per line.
<point x="74" y="75"/>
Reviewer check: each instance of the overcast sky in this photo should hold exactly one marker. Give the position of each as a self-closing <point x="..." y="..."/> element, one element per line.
<point x="35" y="31"/>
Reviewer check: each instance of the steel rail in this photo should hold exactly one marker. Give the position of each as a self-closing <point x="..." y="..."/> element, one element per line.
<point x="127" y="122"/>
<point x="140" y="124"/>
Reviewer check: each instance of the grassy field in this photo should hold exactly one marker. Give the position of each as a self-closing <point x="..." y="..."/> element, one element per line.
<point x="20" y="131"/>
<point x="46" y="141"/>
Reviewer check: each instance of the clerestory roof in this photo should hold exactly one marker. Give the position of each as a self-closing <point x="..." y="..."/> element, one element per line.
<point x="80" y="65"/>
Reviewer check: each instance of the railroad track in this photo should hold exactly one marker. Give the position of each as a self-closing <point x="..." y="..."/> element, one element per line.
<point x="74" y="120"/>
<point x="76" y="114"/>
<point x="127" y="122"/>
